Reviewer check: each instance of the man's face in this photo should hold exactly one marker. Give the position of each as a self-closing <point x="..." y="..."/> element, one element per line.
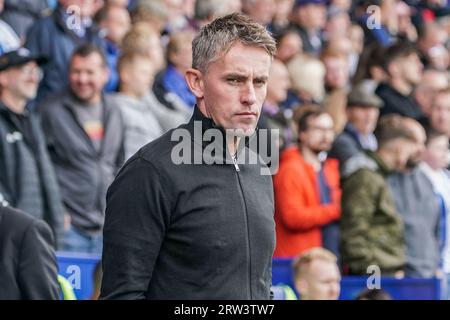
<point x="322" y="281"/>
<point x="118" y="23"/>
<point x="87" y="76"/>
<point x="234" y="88"/>
<point x="138" y="75"/>
<point x="436" y="154"/>
<point x="319" y="135"/>
<point x="411" y="69"/>
<point x="419" y="147"/>
<point x="403" y="150"/>
<point x="363" y="119"/>
<point x="312" y="16"/>
<point x="289" y="46"/>
<point x="440" y="114"/>
<point x="337" y="72"/>
<point x="279" y="83"/>
<point x="261" y="11"/>
<point x="21" y="82"/>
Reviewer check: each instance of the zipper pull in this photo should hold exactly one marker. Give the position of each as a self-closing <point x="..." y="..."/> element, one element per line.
<point x="235" y="164"/>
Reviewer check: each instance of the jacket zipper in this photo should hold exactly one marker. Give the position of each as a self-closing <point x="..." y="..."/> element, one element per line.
<point x="247" y="238"/>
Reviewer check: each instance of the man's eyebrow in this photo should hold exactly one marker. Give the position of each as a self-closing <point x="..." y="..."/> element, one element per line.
<point x="235" y="75"/>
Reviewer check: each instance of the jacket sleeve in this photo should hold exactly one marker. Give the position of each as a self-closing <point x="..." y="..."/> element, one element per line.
<point x="136" y="220"/>
<point x="358" y="207"/>
<point x="295" y="214"/>
<point x="38" y="269"/>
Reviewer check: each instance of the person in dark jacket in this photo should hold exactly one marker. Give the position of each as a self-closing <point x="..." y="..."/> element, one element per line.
<point x="85" y="140"/>
<point x="363" y="109"/>
<point x="57" y="36"/>
<point x="404" y="70"/>
<point x="27" y="176"/>
<point x="178" y="227"/>
<point x="28" y="268"/>
<point x="372" y="231"/>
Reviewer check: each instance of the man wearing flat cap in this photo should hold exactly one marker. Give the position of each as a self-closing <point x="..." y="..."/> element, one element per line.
<point x="363" y="109"/>
<point x="27" y="178"/>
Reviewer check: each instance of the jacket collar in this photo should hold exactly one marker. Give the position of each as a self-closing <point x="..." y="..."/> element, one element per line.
<point x="198" y="120"/>
<point x="382" y="166"/>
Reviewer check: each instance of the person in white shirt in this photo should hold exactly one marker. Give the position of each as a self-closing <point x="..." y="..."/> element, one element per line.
<point x="434" y="166"/>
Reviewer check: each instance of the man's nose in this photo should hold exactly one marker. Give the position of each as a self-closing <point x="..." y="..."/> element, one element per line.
<point x="248" y="95"/>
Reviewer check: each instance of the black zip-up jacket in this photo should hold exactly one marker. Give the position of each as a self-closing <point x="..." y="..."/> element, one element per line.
<point x="84" y="173"/>
<point x="27" y="177"/>
<point x="188" y="231"/>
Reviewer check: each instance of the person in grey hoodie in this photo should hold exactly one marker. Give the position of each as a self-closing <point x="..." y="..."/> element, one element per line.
<point x="419" y="208"/>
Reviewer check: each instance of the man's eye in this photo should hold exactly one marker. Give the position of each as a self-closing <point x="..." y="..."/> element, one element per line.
<point x="260" y="82"/>
<point x="233" y="81"/>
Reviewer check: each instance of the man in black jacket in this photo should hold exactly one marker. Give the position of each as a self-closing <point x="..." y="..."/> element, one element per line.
<point x="85" y="141"/>
<point x="28" y="268"/>
<point x="183" y="221"/>
<point x="27" y="177"/>
<point x="404" y="70"/>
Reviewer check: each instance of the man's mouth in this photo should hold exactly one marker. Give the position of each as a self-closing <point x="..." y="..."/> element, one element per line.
<point x="247" y="114"/>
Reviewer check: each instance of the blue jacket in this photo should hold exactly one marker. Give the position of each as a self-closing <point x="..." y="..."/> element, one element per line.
<point x="51" y="37"/>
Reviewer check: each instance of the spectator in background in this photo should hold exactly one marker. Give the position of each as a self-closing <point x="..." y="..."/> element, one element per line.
<point x="114" y="22"/>
<point x="370" y="66"/>
<point x="153" y="12"/>
<point x="179" y="59"/>
<point x="27" y="255"/>
<point x="307" y="78"/>
<point x="273" y="115"/>
<point x="440" y="112"/>
<point x="415" y="201"/>
<point x="432" y="82"/>
<point x="8" y="38"/>
<point x="261" y="11"/>
<point x="206" y="11"/>
<point x="337" y="24"/>
<point x="431" y="45"/>
<point x="85" y="140"/>
<point x="356" y="36"/>
<point x="406" y="31"/>
<point x="142" y="39"/>
<point x="316" y="275"/>
<point x="371" y="227"/>
<point x="22" y="14"/>
<point x="336" y="85"/>
<point x="289" y="44"/>
<point x="363" y="109"/>
<point x="309" y="19"/>
<point x="280" y="19"/>
<point x="378" y="24"/>
<point x="176" y="20"/>
<point x="27" y="176"/>
<point x="145" y="119"/>
<point x="436" y="161"/>
<point x="307" y="191"/>
<point x="404" y="71"/>
<point x="57" y="36"/>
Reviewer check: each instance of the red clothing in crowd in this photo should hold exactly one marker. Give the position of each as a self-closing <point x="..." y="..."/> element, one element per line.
<point x="299" y="215"/>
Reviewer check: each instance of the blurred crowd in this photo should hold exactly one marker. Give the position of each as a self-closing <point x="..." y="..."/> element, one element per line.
<point x="359" y="92"/>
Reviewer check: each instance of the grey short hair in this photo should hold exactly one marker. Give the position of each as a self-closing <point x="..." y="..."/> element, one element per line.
<point x="221" y="34"/>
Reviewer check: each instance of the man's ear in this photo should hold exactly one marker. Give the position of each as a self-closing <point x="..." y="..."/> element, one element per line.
<point x="301" y="286"/>
<point x="194" y="79"/>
